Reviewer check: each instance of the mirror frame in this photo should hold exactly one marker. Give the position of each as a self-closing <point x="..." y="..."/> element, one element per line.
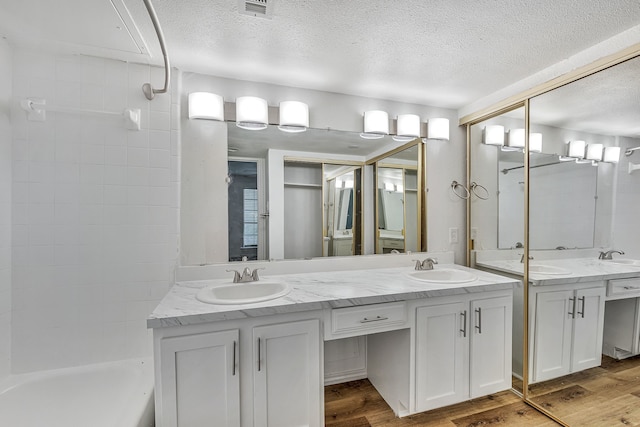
<point x="517" y="101"/>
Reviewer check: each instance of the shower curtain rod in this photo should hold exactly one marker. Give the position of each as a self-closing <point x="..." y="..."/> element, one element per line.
<point x="147" y="89"/>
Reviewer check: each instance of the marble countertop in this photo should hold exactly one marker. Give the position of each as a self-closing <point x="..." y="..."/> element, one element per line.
<point x="316" y="291"/>
<point x="580" y="270"/>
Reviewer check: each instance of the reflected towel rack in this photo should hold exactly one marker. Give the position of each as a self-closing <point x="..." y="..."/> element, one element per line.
<point x="630" y="151"/>
<point x="36" y="108"/>
<point x="148" y="90"/>
<point x="455" y="185"/>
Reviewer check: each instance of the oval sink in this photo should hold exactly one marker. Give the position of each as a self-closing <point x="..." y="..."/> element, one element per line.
<point x="242" y="293"/>
<point x="623" y="261"/>
<point x="443" y="275"/>
<point x="548" y="269"/>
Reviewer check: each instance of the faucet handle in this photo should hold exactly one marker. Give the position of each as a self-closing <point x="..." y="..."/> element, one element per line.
<point x="236" y="275"/>
<point x="254" y="274"/>
<point x="418" y="264"/>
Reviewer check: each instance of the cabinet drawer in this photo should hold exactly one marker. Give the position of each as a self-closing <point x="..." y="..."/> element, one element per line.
<point x="623" y="288"/>
<point x="366" y="319"/>
<point x="392" y="243"/>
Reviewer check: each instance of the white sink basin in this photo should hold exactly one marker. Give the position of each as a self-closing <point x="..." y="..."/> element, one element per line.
<point x="623" y="261"/>
<point x="547" y="269"/>
<point x="443" y="275"/>
<point x="242" y="293"/>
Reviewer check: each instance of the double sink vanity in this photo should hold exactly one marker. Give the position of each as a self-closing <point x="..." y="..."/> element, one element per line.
<point x="255" y="357"/>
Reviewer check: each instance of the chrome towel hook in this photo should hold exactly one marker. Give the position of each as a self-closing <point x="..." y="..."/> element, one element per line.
<point x="463" y="196"/>
<point x="484" y="193"/>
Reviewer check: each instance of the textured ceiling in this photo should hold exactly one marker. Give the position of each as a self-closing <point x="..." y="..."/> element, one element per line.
<point x="433" y="52"/>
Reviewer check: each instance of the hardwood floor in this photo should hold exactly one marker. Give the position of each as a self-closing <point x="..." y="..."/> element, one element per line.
<point x="358" y="404"/>
<point x="608" y="395"/>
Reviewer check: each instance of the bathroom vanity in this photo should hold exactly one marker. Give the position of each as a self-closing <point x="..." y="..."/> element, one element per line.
<point x="429" y="344"/>
<point x="569" y="311"/>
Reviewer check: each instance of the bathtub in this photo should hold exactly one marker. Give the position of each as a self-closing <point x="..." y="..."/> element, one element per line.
<point x="116" y="394"/>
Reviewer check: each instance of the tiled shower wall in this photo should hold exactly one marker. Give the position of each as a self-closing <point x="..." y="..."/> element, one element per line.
<point x="95" y="212"/>
<point x="5" y="209"/>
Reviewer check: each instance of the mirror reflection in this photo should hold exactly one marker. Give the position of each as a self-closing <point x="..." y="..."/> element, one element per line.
<point x="342" y="190"/>
<point x="584" y="360"/>
<point x="398" y="202"/>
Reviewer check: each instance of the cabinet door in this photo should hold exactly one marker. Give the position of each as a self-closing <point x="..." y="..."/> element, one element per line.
<point x="490" y="332"/>
<point x="588" y="329"/>
<point x="552" y="335"/>
<point x="442" y="355"/>
<point x="199" y="380"/>
<point x="287" y="375"/>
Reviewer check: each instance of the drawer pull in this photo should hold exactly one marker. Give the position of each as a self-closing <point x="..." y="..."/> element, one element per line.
<point x="375" y="319"/>
<point x="628" y="288"/>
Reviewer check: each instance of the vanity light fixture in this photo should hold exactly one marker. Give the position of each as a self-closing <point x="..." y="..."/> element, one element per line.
<point x="535" y="142"/>
<point x="388" y="186"/>
<point x="399" y="188"/>
<point x="408" y="128"/>
<point x="611" y="155"/>
<point x="437" y="128"/>
<point x="515" y="140"/>
<point x="205" y="105"/>
<point x="576" y="149"/>
<point x="252" y="113"/>
<point x="348" y="183"/>
<point x="594" y="152"/>
<point x="294" y="116"/>
<point x="493" y="135"/>
<point x="376" y="124"/>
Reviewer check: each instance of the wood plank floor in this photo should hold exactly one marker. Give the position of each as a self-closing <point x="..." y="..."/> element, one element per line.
<point x="358" y="404"/>
<point x="608" y="395"/>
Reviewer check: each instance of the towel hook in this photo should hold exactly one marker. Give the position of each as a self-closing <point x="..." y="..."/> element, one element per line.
<point x="455" y="185"/>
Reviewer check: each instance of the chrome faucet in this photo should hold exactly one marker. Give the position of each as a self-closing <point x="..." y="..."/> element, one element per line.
<point x="246" y="276"/>
<point x="427" y="264"/>
<point x="609" y="254"/>
<point x="522" y="258"/>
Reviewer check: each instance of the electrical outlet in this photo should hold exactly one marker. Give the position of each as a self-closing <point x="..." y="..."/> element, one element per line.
<point x="453" y="235"/>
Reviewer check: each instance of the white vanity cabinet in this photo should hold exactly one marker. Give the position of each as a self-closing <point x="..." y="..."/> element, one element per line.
<point x="254" y="372"/>
<point x="463" y="349"/>
<point x="567" y="329"/>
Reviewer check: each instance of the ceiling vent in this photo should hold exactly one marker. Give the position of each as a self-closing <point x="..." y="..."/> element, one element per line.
<point x="256" y="8"/>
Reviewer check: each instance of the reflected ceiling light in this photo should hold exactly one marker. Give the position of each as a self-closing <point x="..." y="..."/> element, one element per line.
<point x="205" y="105"/>
<point x="535" y="143"/>
<point x="252" y="113"/>
<point x="376" y="124"/>
<point x="516" y="138"/>
<point x="348" y="183"/>
<point x="438" y="128"/>
<point x="594" y="152"/>
<point x="294" y="116"/>
<point x="611" y="155"/>
<point x="576" y="149"/>
<point x="493" y="135"/>
<point x="388" y="186"/>
<point x="408" y="128"/>
<point x="339" y="183"/>
<point x="399" y="188"/>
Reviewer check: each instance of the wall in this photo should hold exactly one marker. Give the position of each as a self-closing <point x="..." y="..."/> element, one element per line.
<point x="626" y="232"/>
<point x="5" y="208"/>
<point x="95" y="212"/>
<point x="445" y="160"/>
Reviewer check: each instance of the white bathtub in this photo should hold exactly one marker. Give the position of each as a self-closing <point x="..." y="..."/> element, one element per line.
<point x="117" y="394"/>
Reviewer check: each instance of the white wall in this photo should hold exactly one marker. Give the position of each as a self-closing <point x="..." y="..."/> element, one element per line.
<point x="94" y="212"/>
<point x="5" y="208"/>
<point x="445" y="160"/>
<point x="626" y="231"/>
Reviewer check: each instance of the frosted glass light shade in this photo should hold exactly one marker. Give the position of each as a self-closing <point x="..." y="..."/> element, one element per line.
<point x="388" y="186"/>
<point x="408" y="128"/>
<point x="438" y="128"/>
<point x="294" y="116"/>
<point x="594" y="151"/>
<point x="205" y="105"/>
<point x="576" y="149"/>
<point x="252" y="113"/>
<point x="376" y="124"/>
<point x="348" y="183"/>
<point x="535" y="143"/>
<point x="611" y="155"/>
<point x="494" y="135"/>
<point x="516" y="138"/>
<point x="399" y="188"/>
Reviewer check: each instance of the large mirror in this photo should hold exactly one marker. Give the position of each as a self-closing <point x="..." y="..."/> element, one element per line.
<point x="398" y="200"/>
<point x="584" y="360"/>
<point x="302" y="195"/>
